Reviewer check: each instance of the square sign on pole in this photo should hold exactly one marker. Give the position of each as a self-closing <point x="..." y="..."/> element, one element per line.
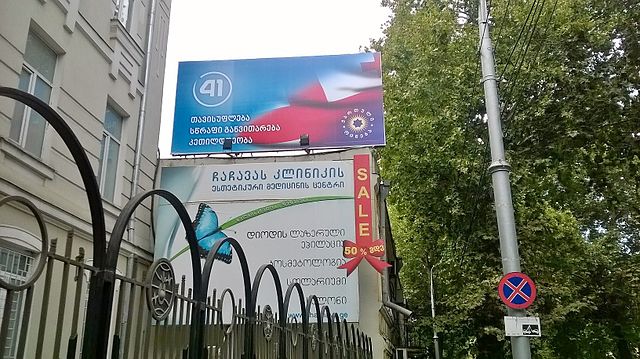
<point x="522" y="326"/>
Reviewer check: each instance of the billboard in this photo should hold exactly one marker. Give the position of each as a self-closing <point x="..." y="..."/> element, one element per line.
<point x="294" y="215"/>
<point x="278" y="104"/>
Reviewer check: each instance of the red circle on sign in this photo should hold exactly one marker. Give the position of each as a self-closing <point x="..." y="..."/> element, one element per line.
<point x="517" y="290"/>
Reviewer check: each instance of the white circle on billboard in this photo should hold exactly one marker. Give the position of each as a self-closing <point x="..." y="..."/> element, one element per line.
<point x="212" y="89"/>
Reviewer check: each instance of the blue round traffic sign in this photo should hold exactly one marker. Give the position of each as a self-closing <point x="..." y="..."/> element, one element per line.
<point x="517" y="290"/>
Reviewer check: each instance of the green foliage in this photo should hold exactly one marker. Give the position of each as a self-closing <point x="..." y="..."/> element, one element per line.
<point x="571" y="121"/>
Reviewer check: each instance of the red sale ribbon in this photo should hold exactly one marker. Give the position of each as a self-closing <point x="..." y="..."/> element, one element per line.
<point x="357" y="252"/>
<point x="364" y="247"/>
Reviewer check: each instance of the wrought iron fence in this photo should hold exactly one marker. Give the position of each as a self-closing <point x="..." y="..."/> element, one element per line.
<point x="90" y="310"/>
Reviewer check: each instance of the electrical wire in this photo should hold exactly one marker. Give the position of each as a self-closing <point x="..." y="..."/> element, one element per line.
<point x="535" y="56"/>
<point x="515" y="45"/>
<point x="519" y="60"/>
<point x="482" y="175"/>
<point x="499" y="32"/>
<point x="513" y="83"/>
<point x="471" y="113"/>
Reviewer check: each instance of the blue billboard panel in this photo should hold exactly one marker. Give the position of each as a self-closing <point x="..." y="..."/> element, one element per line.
<point x="270" y="104"/>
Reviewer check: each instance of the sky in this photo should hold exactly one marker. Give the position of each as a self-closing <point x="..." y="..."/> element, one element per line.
<point x="223" y="30"/>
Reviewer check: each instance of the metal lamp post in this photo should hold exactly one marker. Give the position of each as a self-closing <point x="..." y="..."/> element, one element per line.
<point x="436" y="344"/>
<point x="500" y="169"/>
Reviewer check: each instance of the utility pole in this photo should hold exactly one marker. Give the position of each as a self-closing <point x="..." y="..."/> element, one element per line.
<point x="499" y="170"/>
<point x="436" y="345"/>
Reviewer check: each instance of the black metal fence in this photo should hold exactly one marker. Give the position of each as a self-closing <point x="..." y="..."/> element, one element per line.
<point x="98" y="312"/>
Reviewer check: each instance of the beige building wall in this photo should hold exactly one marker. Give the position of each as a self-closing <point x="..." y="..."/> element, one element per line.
<point x="100" y="62"/>
<point x="100" y="55"/>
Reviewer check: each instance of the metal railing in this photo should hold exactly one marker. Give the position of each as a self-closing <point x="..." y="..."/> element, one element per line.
<point x="90" y="310"/>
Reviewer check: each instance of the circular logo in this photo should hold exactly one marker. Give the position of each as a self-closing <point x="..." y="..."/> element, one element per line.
<point x="212" y="89"/>
<point x="357" y="123"/>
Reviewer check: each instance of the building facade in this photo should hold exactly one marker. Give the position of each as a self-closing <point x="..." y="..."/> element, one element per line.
<point x="100" y="65"/>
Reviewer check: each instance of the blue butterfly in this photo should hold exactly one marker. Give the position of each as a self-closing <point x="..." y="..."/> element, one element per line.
<point x="208" y="233"/>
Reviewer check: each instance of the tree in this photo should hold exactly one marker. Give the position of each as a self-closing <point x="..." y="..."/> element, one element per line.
<point x="569" y="79"/>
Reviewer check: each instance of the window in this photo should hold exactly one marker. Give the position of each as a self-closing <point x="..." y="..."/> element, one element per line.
<point x="27" y="126"/>
<point x="109" y="152"/>
<point x="14" y="268"/>
<point x="123" y="7"/>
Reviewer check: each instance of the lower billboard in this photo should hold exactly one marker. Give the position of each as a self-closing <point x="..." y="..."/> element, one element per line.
<point x="293" y="215"/>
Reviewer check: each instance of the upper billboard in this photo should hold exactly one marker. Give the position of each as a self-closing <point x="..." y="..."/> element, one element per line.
<point x="278" y="104"/>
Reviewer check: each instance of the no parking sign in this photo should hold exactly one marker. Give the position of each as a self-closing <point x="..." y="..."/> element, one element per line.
<point x="517" y="290"/>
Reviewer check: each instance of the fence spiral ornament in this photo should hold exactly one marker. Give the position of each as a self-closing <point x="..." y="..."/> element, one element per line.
<point x="327" y="343"/>
<point x="161" y="289"/>
<point x="267" y="315"/>
<point x="314" y="338"/>
<point x="294" y="332"/>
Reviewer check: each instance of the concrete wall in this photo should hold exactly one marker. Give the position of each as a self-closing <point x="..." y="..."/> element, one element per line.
<point x="99" y="61"/>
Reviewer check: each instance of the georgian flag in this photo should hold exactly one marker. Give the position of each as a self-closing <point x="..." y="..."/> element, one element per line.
<point x="333" y="110"/>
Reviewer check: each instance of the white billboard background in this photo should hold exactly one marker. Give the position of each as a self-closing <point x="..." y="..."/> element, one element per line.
<point x="302" y="240"/>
